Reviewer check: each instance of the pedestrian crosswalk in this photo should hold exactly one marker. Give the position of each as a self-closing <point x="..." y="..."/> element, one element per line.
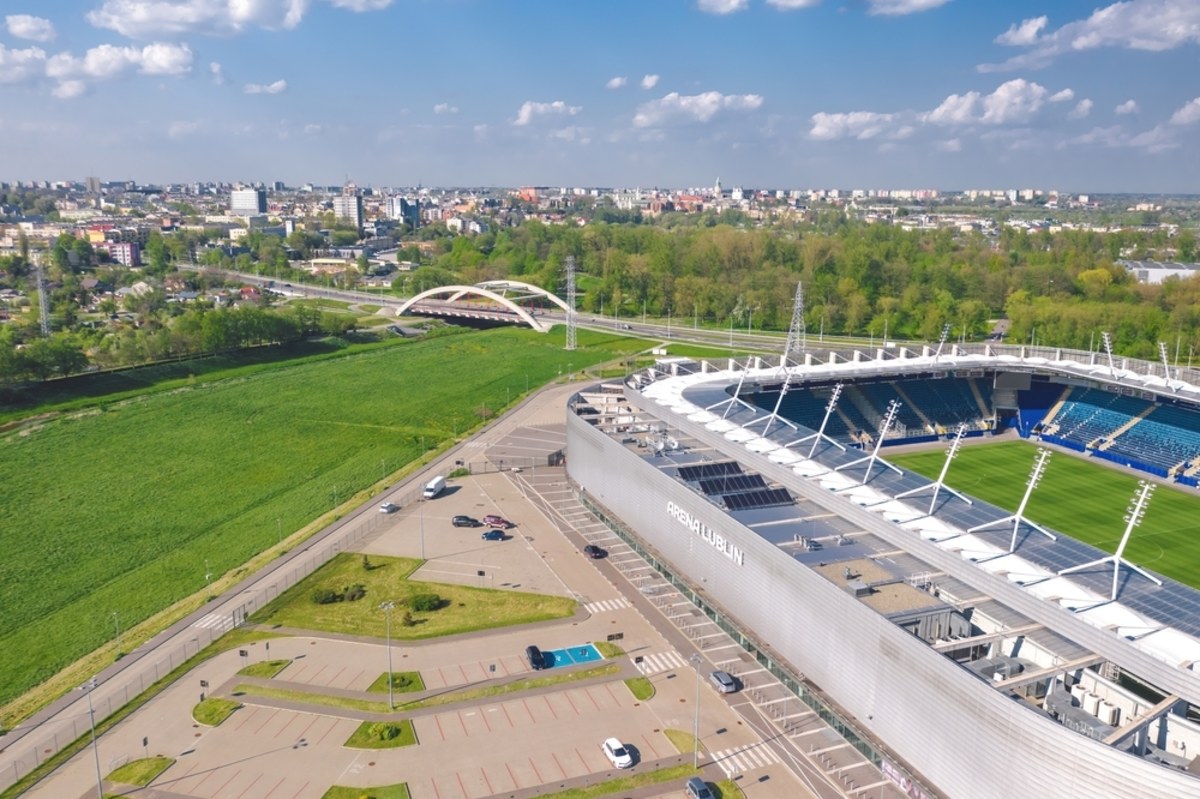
<point x="216" y="621"/>
<point x="663" y="661"/>
<point x="601" y="605"/>
<point x="747" y="758"/>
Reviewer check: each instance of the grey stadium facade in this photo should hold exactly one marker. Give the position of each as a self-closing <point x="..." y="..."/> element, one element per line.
<point x="961" y="666"/>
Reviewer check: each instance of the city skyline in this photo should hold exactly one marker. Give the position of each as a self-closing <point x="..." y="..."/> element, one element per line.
<point x="782" y="93"/>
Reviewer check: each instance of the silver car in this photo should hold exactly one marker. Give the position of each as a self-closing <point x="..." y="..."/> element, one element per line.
<point x="723" y="681"/>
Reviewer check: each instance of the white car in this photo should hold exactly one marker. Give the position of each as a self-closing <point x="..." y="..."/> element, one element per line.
<point x="617" y="754"/>
<point x="389" y="507"/>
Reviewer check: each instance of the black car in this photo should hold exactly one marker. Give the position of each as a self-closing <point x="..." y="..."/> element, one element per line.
<point x="466" y="521"/>
<point x="534" y="656"/>
<point x="593" y="551"/>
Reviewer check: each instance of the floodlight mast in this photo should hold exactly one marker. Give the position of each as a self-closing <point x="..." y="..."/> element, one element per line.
<point x="942" y="341"/>
<point x="1133" y="518"/>
<point x="1166" y="362"/>
<point x="951" y="454"/>
<point x="818" y="436"/>
<point x="1035" y="476"/>
<point x="736" y="397"/>
<point x="893" y="408"/>
<point x="783" y="390"/>
<point x="1106" y="337"/>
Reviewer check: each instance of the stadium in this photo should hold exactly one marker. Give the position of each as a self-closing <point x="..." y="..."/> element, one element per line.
<point x="969" y="650"/>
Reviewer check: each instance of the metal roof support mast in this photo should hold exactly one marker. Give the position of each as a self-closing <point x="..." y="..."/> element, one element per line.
<point x="1133" y="518"/>
<point x="941" y="481"/>
<point x="889" y="417"/>
<point x="1035" y="477"/>
<point x="820" y="436"/>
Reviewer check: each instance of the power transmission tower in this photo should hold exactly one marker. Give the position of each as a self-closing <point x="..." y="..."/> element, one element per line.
<point x="570" y="302"/>
<point x="797" y="337"/>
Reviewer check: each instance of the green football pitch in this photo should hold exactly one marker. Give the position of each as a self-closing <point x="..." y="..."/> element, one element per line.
<point x="1084" y="500"/>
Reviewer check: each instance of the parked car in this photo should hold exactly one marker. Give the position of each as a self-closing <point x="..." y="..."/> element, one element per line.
<point x="696" y="788"/>
<point x="492" y="535"/>
<point x="534" y="656"/>
<point x="389" y="507"/>
<point x="723" y="681"/>
<point x="492" y="520"/>
<point x="466" y="521"/>
<point x="593" y="551"/>
<point x="616" y="753"/>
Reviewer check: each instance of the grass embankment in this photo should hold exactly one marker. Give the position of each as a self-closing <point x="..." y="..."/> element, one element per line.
<point x="464" y="608"/>
<point x="641" y="688"/>
<point x="141" y="772"/>
<point x="198" y="479"/>
<point x="1084" y="500"/>
<point x="623" y="784"/>
<point x="265" y="669"/>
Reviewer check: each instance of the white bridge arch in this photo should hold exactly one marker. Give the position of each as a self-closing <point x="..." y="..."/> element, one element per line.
<point x="457" y="292"/>
<point x="529" y="288"/>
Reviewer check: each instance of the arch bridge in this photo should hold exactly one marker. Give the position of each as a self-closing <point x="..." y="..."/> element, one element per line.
<point x="496" y="306"/>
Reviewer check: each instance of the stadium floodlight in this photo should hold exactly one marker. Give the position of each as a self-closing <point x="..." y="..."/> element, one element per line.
<point x="783" y="390"/>
<point x="889" y="417"/>
<point x="942" y="341"/>
<point x="1106" y="337"/>
<point x="951" y="454"/>
<point x="736" y="397"/>
<point x="1035" y="477"/>
<point x="1166" y="362"/>
<point x="1133" y="518"/>
<point x="818" y="436"/>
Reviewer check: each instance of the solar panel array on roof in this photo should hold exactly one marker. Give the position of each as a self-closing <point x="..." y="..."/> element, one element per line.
<point x="732" y="483"/>
<point x="705" y="470"/>
<point x="758" y="499"/>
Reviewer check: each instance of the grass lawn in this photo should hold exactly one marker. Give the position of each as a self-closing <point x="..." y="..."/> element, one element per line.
<point x="683" y="742"/>
<point x="465" y="608"/>
<point x="265" y="669"/>
<point x="398" y="791"/>
<point x="623" y="784"/>
<point x="124" y="506"/>
<point x="214" y="710"/>
<point x="141" y="772"/>
<point x="1083" y="500"/>
<point x="382" y="735"/>
<point x="608" y="649"/>
<point x="641" y="688"/>
<point x="403" y="682"/>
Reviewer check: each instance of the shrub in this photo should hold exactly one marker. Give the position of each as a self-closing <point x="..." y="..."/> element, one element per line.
<point x="385" y="732"/>
<point x="423" y="603"/>
<point x="325" y="596"/>
<point x="408" y="620"/>
<point x="356" y="592"/>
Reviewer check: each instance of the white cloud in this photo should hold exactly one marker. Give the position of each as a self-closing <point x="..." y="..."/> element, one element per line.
<point x="898" y="7"/>
<point x="1063" y="96"/>
<point x="616" y="83"/>
<point x="1158" y="139"/>
<point x="1081" y="109"/>
<point x="957" y="109"/>
<point x="722" y="6"/>
<point x="445" y="108"/>
<point x="649" y="82"/>
<point x="18" y="66"/>
<point x="859" y="125"/>
<point x="1128" y="107"/>
<point x="166" y="59"/>
<point x="572" y="133"/>
<point x="69" y="89"/>
<point x="265" y="88"/>
<point x="949" y="145"/>
<point x="35" y="29"/>
<point x="530" y="109"/>
<point x="692" y="108"/>
<point x="147" y="18"/>
<point x="1188" y="114"/>
<point x="1153" y="25"/>
<point x="1024" y="34"/>
<point x="361" y="5"/>
<point x="1013" y="101"/>
<point x="109" y="61"/>
<point x="181" y="128"/>
<point x="790" y="5"/>
<point x="217" y="72"/>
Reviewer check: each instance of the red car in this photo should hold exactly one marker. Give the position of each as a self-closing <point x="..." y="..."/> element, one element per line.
<point x="492" y="520"/>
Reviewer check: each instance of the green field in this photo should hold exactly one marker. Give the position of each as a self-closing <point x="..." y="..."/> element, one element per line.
<point x="1085" y="500"/>
<point x="122" y="508"/>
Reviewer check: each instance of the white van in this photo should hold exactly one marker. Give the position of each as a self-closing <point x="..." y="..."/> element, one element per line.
<point x="434" y="487"/>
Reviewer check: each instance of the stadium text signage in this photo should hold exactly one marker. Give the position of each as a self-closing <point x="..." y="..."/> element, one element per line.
<point x="715" y="539"/>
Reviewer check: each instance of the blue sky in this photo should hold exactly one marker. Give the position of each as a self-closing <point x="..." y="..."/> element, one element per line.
<point x="1077" y="95"/>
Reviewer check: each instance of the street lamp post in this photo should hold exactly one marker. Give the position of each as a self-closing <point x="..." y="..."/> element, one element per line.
<point x="387" y="608"/>
<point x="117" y="623"/>
<point x="695" y="661"/>
<point x="422" y="517"/>
<point x="87" y="688"/>
<point x="279" y="529"/>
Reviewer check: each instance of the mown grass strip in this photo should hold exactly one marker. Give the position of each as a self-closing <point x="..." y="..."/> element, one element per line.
<point x="265" y="669"/>
<point x="403" y="682"/>
<point x="398" y="791"/>
<point x="382" y="735"/>
<point x="214" y="710"/>
<point x="141" y="772"/>
<point x="629" y="783"/>
<point x="641" y="688"/>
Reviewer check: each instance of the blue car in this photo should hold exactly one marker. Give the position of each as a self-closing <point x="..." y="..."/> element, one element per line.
<point x="493" y="535"/>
